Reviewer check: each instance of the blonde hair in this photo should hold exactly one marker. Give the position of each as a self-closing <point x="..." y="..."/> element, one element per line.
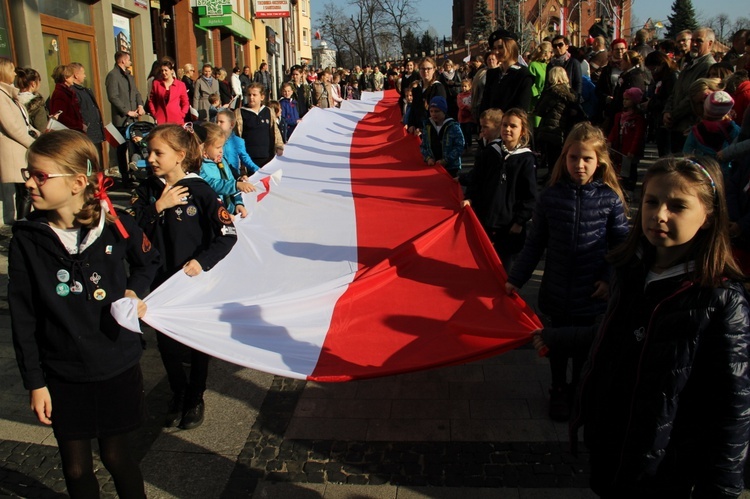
<point x="540" y="50"/>
<point x="701" y="86"/>
<point x="213" y="134"/>
<point x="594" y="138"/>
<point x="558" y="75"/>
<point x="180" y="140"/>
<point x="7" y="70"/>
<point x="73" y="152"/>
<point x="494" y="116"/>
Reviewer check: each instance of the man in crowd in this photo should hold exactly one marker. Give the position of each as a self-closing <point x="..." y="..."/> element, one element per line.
<point x="678" y="113"/>
<point x="126" y="101"/>
<point x="92" y="116"/>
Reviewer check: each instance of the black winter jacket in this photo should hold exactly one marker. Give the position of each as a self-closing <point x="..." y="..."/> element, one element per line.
<point x="201" y="230"/>
<point x="60" y="303"/>
<point x="577" y="225"/>
<point x="509" y="89"/>
<point x="502" y="189"/>
<point x="551" y="110"/>
<point x="665" y="397"/>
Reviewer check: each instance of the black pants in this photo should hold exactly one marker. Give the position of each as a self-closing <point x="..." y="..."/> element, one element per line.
<point x="173" y="355"/>
<point x="23" y="201"/>
<point x="559" y="363"/>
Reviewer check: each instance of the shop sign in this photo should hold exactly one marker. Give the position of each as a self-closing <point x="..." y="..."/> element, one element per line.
<point x="141" y="3"/>
<point x="269" y="9"/>
<point x="212" y="21"/>
<point x="213" y="7"/>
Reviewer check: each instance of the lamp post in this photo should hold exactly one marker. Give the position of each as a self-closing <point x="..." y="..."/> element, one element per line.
<point x="468" y="47"/>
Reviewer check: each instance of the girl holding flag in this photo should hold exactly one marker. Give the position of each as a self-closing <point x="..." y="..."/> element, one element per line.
<point x="66" y="266"/>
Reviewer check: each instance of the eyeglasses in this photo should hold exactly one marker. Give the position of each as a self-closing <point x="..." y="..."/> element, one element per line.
<point x="697" y="41"/>
<point x="558" y="45"/>
<point x="41" y="177"/>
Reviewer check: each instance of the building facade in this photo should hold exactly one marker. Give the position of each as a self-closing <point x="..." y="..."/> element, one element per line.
<point x="534" y="20"/>
<point x="43" y="34"/>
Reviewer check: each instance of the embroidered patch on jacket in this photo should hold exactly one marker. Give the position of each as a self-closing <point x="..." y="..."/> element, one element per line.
<point x="224" y="216"/>
<point x="146" y="244"/>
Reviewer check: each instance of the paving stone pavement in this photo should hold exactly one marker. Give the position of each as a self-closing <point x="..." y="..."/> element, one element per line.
<point x="476" y="430"/>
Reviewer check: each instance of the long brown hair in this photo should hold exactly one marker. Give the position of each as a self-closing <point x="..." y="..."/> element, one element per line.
<point x="594" y="138"/>
<point x="710" y="248"/>
<point x="74" y="153"/>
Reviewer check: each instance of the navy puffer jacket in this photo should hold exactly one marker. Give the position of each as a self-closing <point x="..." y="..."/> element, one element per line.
<point x="577" y="225"/>
<point x="665" y="397"/>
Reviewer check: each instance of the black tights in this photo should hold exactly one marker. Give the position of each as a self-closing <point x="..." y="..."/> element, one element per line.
<point x="78" y="467"/>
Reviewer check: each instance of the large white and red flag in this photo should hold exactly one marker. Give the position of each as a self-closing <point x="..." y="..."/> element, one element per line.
<point x="359" y="262"/>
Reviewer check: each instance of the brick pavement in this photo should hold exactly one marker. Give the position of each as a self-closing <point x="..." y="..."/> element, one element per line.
<point x="476" y="430"/>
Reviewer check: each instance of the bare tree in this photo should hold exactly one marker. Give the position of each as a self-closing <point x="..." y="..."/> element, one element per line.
<point x="401" y="16"/>
<point x="720" y="25"/>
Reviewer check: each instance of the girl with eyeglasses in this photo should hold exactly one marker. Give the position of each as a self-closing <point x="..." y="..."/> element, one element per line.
<point x="427" y="88"/>
<point x="66" y="266"/>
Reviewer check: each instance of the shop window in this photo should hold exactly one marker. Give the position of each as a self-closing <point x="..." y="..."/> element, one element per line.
<point x="203" y="46"/>
<point x="6" y="44"/>
<point x="75" y="11"/>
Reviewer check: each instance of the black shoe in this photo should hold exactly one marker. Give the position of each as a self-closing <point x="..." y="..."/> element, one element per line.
<point x="174" y="411"/>
<point x="193" y="417"/>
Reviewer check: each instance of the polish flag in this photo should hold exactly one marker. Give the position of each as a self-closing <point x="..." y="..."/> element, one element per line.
<point x="113" y="135"/>
<point x="358" y="263"/>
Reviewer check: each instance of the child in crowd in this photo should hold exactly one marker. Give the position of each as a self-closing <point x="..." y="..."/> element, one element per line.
<point x="217" y="174"/>
<point x="577" y="220"/>
<point x="289" y="111"/>
<point x="235" y="156"/>
<point x="628" y="137"/>
<point x="716" y="130"/>
<point x="407" y="106"/>
<point x="442" y="140"/>
<point x="214" y="106"/>
<point x="66" y="266"/>
<point x="502" y="188"/>
<point x="182" y="215"/>
<point x="465" y="118"/>
<point x="280" y="122"/>
<point x="551" y="111"/>
<point x="665" y="397"/>
<point x="258" y="127"/>
<point x="352" y="88"/>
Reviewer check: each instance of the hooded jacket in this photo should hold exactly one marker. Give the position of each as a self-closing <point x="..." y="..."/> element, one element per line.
<point x="61" y="321"/>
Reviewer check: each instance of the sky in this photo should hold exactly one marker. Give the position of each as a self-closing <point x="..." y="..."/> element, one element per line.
<point x="438" y="13"/>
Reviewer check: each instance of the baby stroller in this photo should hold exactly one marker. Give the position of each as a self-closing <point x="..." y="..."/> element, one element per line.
<point x="135" y="134"/>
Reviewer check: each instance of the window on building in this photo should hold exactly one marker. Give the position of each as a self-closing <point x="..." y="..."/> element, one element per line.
<point x="6" y="48"/>
<point x="305" y="39"/>
<point x="303" y="5"/>
<point x="203" y="46"/>
<point x="76" y="11"/>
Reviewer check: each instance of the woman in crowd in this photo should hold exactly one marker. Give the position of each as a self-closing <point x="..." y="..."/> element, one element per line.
<point x="27" y="82"/>
<point x="64" y="100"/>
<point x="16" y="135"/>
<point x="169" y="100"/>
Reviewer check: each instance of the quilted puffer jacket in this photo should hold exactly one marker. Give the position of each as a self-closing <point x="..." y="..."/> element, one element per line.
<point x="665" y="397"/>
<point x="577" y="225"/>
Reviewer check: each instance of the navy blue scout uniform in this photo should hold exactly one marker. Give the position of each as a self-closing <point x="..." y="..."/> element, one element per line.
<point x="201" y="230"/>
<point x="48" y="283"/>
<point x="258" y="133"/>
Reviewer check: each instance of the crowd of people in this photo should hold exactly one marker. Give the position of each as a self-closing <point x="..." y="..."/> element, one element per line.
<point x="650" y="307"/>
